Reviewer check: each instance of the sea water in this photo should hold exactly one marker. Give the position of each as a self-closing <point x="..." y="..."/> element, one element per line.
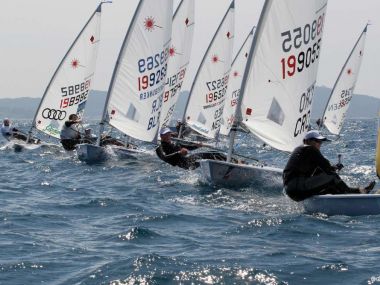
<point x="145" y="222"/>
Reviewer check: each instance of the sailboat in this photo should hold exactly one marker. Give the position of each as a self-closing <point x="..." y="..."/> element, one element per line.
<point x="69" y="88"/>
<point x="341" y="95"/>
<point x="179" y="56"/>
<point x="348" y="204"/>
<point x="234" y="84"/>
<point x="277" y="87"/>
<point x="204" y="108"/>
<point x="135" y="95"/>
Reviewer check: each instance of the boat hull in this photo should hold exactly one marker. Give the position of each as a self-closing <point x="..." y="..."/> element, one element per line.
<point x="19" y="145"/>
<point x="345" y="204"/>
<point x="225" y="174"/>
<point x="91" y="153"/>
<point x="96" y="154"/>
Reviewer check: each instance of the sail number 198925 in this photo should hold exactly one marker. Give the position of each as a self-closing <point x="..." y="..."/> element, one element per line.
<point x="74" y="94"/>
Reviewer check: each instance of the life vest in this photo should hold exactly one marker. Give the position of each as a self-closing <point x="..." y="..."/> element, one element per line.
<point x="71" y="132"/>
<point x="6" y="131"/>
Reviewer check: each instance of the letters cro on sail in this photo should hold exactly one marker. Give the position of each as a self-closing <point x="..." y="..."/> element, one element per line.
<point x="179" y="56"/>
<point x="341" y="95"/>
<point x="278" y="92"/>
<point x="136" y="90"/>
<point x="205" y="105"/>
<point x="68" y="90"/>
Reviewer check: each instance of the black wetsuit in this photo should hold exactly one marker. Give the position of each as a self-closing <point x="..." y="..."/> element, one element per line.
<point x="170" y="153"/>
<point x="308" y="173"/>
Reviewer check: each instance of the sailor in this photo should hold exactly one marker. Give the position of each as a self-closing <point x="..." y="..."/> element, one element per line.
<point x="309" y="173"/>
<point x="175" y="154"/>
<point x="109" y="140"/>
<point x="185" y="132"/>
<point x="9" y="132"/>
<point x="89" y="136"/>
<point x="70" y="134"/>
<point x="319" y="123"/>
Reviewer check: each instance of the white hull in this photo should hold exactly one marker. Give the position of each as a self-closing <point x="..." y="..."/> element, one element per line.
<point x="346" y="204"/>
<point x="91" y="153"/>
<point x="221" y="173"/>
<point x="95" y="154"/>
<point x="19" y="145"/>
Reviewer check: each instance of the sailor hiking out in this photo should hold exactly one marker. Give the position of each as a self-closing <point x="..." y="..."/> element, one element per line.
<point x="10" y="132"/>
<point x="309" y="173"/>
<point x="176" y="154"/>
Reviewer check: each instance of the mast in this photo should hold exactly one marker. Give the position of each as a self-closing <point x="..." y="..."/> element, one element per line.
<point x="178" y="7"/>
<point x="110" y="88"/>
<point x="341" y="72"/>
<point x="232" y="6"/>
<point x="238" y="115"/>
<point x="97" y="10"/>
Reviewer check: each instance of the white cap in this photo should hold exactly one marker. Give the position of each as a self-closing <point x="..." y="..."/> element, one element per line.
<point x="314" y="135"/>
<point x="165" y="131"/>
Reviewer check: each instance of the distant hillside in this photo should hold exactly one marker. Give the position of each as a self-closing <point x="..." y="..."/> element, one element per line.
<point x="362" y="106"/>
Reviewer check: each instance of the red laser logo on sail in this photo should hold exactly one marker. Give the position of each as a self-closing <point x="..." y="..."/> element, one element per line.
<point x="172" y="51"/>
<point x="75" y="64"/>
<point x="150" y="24"/>
<point x="215" y="58"/>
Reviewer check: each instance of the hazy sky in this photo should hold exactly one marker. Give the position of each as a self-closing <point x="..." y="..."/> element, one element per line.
<point x="36" y="34"/>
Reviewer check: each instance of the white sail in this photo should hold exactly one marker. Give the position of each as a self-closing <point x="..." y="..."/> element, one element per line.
<point x="136" y="90"/>
<point x="341" y="95"/>
<point x="207" y="95"/>
<point x="234" y="84"/>
<point x="281" y="74"/>
<point x="71" y="83"/>
<point x="179" y="56"/>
